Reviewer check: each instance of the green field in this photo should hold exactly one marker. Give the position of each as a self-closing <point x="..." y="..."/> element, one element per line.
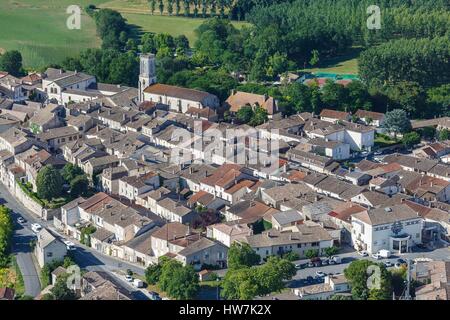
<point x="37" y="28"/>
<point x="137" y="13"/>
<point x="167" y="24"/>
<point x="344" y="64"/>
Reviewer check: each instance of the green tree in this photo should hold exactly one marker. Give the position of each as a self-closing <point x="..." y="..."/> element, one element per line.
<point x="245" y="114"/>
<point x="6" y="231"/>
<point x="314" y="57"/>
<point x="311" y="253"/>
<point x="260" y="116"/>
<point x="61" y="292"/>
<point x="444" y="134"/>
<point x="152" y="6"/>
<point x="340" y="297"/>
<point x="152" y="273"/>
<point x="397" y="121"/>
<point x="178" y="281"/>
<point x="70" y="171"/>
<point x="331" y="251"/>
<point x="49" y="183"/>
<point x="410" y="139"/>
<point x="11" y="62"/>
<point x="161" y="6"/>
<point x="358" y="273"/>
<point x="241" y="255"/>
<point x="239" y="284"/>
<point x="79" y="185"/>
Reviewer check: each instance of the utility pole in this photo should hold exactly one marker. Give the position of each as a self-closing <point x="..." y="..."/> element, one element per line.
<point x="408" y="280"/>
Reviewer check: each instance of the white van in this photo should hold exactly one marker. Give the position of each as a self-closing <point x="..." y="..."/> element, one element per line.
<point x="138" y="283"/>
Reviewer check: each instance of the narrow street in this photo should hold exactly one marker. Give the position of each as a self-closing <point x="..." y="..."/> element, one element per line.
<point x="87" y="258"/>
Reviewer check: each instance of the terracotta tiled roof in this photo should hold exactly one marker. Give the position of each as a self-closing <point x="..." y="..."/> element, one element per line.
<point x="334" y="114"/>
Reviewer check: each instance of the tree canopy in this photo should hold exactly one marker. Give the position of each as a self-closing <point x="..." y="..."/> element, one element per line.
<point x="49" y="183"/>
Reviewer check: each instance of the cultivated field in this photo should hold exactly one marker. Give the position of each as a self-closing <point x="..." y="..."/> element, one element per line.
<point x="137" y="12"/>
<point x="37" y="28"/>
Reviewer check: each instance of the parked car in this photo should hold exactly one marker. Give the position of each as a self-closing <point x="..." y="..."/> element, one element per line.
<point x="376" y="256"/>
<point x="36" y="227"/>
<point x="154" y="295"/>
<point x="298" y="266"/>
<point x="129" y="278"/>
<point x="336" y="259"/>
<point x="310" y="264"/>
<point x="21" y="220"/>
<point x="325" y="262"/>
<point x="363" y="253"/>
<point x="309" y="279"/>
<point x="388" y="264"/>
<point x="70" y="245"/>
<point x="320" y="274"/>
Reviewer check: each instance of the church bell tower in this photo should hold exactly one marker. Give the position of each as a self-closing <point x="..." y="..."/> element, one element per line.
<point x="147" y="73"/>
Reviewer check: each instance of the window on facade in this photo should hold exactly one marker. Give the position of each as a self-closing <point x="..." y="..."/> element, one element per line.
<point x="49" y="254"/>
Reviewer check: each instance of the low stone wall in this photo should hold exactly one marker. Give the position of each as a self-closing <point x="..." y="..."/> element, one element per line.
<point x="28" y="202"/>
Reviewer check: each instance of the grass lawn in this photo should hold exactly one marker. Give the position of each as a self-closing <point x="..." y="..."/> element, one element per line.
<point x="137" y="13"/>
<point x="344" y="64"/>
<point x="383" y="140"/>
<point x="12" y="277"/>
<point x="37" y="28"/>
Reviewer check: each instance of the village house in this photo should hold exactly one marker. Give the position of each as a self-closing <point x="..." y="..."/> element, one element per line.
<point x="57" y="137"/>
<point x="303" y="238"/>
<point x="56" y="81"/>
<point x="48" y="248"/>
<point x="239" y="99"/>
<point x="133" y="186"/>
<point x="332" y="285"/>
<point x="47" y="118"/>
<point x="334" y="116"/>
<point x="15" y="140"/>
<point x="370" y="118"/>
<point x="285" y="220"/>
<point x="96" y="165"/>
<point x="396" y="228"/>
<point x="228" y="232"/>
<point x="110" y="179"/>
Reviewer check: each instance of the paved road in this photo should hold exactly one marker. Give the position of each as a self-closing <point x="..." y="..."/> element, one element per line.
<point x="347" y="258"/>
<point x="21" y="244"/>
<point x="87" y="258"/>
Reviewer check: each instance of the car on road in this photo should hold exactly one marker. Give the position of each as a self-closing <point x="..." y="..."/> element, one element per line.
<point x="388" y="264"/>
<point x="36" y="227"/>
<point x="376" y="256"/>
<point x="21" y="220"/>
<point x="154" y="295"/>
<point x="70" y="245"/>
<point x="336" y="259"/>
<point x="129" y="278"/>
<point x="400" y="263"/>
<point x="320" y="274"/>
<point x="363" y="253"/>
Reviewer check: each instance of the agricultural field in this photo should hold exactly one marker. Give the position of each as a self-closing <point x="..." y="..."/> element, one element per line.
<point x="37" y="28"/>
<point x="137" y="13"/>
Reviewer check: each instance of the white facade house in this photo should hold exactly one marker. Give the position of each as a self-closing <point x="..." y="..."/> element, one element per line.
<point x="395" y="228"/>
<point x="48" y="248"/>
